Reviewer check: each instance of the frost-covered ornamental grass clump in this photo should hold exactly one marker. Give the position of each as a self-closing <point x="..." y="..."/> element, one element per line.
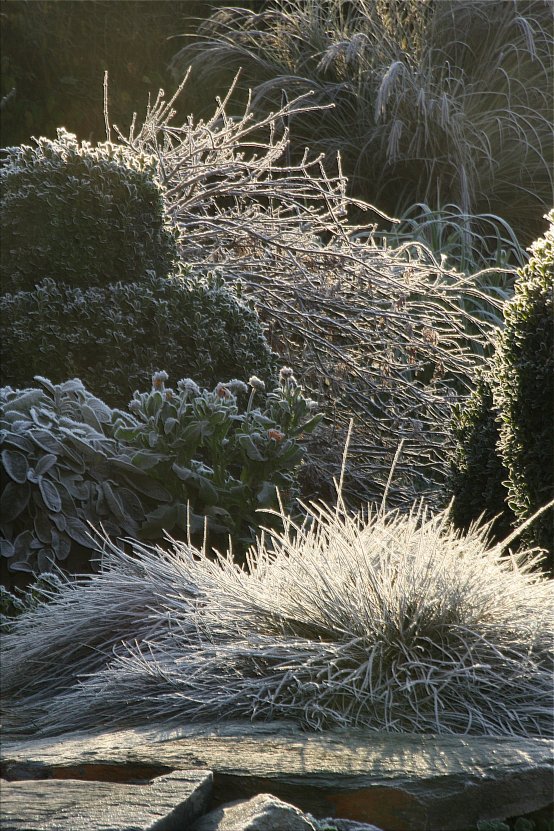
<point x="387" y="622"/>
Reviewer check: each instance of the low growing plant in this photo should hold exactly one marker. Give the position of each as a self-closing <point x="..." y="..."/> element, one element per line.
<point x="81" y="214"/>
<point x="191" y="462"/>
<point x="385" y="622"/>
<point x="114" y="337"/>
<point x="221" y="463"/>
<point x="61" y="470"/>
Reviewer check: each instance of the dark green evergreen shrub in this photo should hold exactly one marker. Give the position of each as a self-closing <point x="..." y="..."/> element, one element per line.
<point x="81" y="214"/>
<point x="504" y="459"/>
<point x="523" y="368"/>
<point x="478" y="476"/>
<point x="114" y="337"/>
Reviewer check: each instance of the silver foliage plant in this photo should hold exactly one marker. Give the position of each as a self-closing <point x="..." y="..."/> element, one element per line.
<point x="385" y="621"/>
<point x="390" y="337"/>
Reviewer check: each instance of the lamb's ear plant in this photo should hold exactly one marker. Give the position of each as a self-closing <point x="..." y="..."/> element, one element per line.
<point x="222" y="461"/>
<point x="385" y="621"/>
<point x="61" y="470"/>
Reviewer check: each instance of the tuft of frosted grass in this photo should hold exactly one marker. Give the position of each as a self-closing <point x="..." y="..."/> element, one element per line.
<point x="385" y="621"/>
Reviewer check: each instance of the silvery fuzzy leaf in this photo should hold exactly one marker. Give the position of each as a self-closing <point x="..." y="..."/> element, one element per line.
<point x="45" y="463"/>
<point x="6" y="548"/>
<point x="113" y="501"/>
<point x="45" y="383"/>
<point x="50" y="495"/>
<point x="25" y="401"/>
<point x="61" y="545"/>
<point x="78" y="531"/>
<point x="101" y="410"/>
<point x="43" y="527"/>
<point x="22" y="545"/>
<point x="27" y="566"/>
<point x="18" y="441"/>
<point x="59" y="521"/>
<point x="14" y="500"/>
<point x="32" y="476"/>
<point x="146" y="461"/>
<point x="46" y="441"/>
<point x="41" y="417"/>
<point x="15" y="465"/>
<point x="90" y="418"/>
<point x="73" y="385"/>
<point x="131" y="504"/>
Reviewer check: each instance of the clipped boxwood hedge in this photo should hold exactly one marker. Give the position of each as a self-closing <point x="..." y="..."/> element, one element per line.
<point x="478" y="476"/>
<point x="504" y="459"/>
<point x="114" y="337"/>
<point x="523" y="370"/>
<point x="81" y="214"/>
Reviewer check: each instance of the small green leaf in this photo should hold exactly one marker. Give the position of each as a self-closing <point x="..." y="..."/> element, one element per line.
<point x="267" y="494"/>
<point x="146" y="461"/>
<point x="183" y="473"/>
<point x="250" y="449"/>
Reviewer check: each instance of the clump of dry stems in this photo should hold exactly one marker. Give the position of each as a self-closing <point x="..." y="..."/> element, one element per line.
<point x="383" y="336"/>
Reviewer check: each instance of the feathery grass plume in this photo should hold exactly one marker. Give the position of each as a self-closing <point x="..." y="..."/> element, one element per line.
<point x="384" y="336"/>
<point x="389" y="622"/>
<point x="441" y="102"/>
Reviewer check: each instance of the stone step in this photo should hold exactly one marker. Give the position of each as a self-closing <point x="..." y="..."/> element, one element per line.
<point x="399" y="782"/>
<point x="170" y="803"/>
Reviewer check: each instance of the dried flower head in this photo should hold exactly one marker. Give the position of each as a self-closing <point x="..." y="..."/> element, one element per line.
<point x="275" y="435"/>
<point x="236" y="386"/>
<point x="285" y="372"/>
<point x="256" y="383"/>
<point x="222" y="391"/>
<point x="158" y="380"/>
<point x="188" y="386"/>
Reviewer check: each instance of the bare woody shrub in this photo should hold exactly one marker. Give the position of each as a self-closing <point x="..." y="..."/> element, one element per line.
<point x="386" y="336"/>
<point x="387" y="622"/>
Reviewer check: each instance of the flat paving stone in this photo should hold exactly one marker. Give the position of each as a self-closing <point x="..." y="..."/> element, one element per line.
<point x="399" y="782"/>
<point x="170" y="803"/>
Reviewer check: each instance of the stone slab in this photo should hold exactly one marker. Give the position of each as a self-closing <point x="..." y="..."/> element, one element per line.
<point x="170" y="803"/>
<point x="399" y="782"/>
